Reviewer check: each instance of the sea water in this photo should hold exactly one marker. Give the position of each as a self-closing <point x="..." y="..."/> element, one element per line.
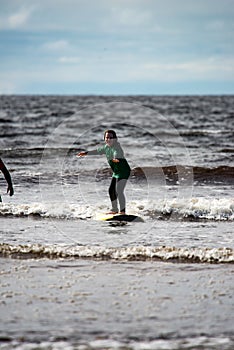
<point x="69" y="281"/>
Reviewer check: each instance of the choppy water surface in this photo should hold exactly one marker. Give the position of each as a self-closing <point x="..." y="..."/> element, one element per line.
<point x="165" y="283"/>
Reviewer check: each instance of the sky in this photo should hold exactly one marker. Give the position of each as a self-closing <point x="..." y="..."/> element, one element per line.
<point x="117" y="47"/>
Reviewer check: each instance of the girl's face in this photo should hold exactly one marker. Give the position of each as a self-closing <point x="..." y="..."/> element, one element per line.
<point x="109" y="140"/>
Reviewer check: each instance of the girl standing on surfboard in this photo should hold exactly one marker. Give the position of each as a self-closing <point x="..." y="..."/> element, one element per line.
<point x="120" y="167"/>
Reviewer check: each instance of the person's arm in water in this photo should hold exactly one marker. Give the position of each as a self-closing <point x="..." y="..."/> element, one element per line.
<point x="7" y="176"/>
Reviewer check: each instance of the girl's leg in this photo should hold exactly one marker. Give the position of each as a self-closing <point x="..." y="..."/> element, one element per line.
<point x="121" y="183"/>
<point x="113" y="195"/>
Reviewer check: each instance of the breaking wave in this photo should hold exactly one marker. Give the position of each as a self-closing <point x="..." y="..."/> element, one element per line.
<point x="222" y="174"/>
<point x="133" y="253"/>
<point x="200" y="208"/>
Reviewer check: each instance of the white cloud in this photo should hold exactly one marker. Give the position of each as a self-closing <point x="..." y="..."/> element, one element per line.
<point x="129" y="71"/>
<point x="92" y="70"/>
<point x="57" y="45"/>
<point x="216" y="25"/>
<point x="18" y="19"/>
<point x="69" y="60"/>
<point x="117" y="41"/>
<point x="131" y="17"/>
<point x="211" y="68"/>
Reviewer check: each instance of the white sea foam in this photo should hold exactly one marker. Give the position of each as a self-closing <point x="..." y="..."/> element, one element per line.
<point x="48" y="210"/>
<point x="132" y="253"/>
<point x="195" y="208"/>
<point x="201" y="342"/>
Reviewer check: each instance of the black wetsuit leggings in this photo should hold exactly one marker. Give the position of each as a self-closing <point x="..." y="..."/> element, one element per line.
<point x="116" y="192"/>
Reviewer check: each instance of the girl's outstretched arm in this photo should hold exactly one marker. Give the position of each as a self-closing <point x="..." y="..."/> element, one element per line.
<point x="82" y="154"/>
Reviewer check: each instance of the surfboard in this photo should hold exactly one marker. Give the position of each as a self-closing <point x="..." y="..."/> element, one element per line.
<point x="119" y="217"/>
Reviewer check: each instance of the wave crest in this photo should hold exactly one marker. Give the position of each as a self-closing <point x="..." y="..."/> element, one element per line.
<point x="133" y="253"/>
<point x="221" y="209"/>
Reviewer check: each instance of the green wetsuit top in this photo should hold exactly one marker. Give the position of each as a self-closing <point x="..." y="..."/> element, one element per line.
<point x="121" y="170"/>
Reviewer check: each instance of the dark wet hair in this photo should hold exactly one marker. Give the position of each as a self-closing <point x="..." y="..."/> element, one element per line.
<point x="110" y="132"/>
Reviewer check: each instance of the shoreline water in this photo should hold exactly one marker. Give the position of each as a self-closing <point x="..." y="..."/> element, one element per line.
<point x="93" y="304"/>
